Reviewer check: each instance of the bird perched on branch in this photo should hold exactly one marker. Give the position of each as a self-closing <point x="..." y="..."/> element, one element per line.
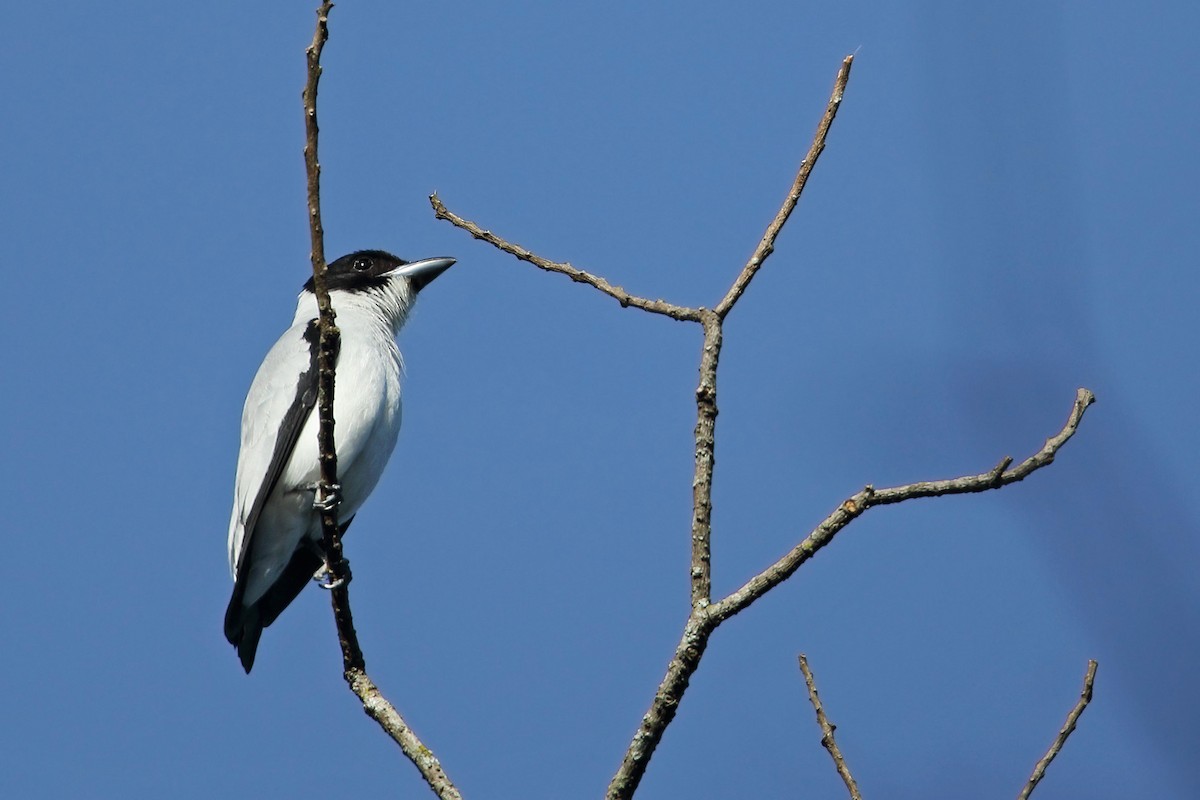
<point x="275" y="529"/>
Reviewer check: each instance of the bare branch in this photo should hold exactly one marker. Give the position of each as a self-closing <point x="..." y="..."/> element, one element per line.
<point x="579" y="276"/>
<point x="869" y="497"/>
<point x="827" y="729"/>
<point x="767" y="245"/>
<point x="706" y="423"/>
<point x="1085" y="697"/>
<point x="706" y="616"/>
<point x="353" y="663"/>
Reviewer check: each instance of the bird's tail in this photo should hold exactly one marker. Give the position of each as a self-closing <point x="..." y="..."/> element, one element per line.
<point x="243" y="628"/>
<point x="244" y="623"/>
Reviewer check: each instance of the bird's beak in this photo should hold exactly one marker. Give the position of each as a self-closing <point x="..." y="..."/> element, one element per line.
<point x="421" y="273"/>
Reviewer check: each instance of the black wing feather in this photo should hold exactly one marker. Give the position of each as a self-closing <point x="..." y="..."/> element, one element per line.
<point x="243" y="625"/>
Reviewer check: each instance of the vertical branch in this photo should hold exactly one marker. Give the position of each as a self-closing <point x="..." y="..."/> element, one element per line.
<point x="701" y="621"/>
<point x="330" y="336"/>
<point x="353" y="664"/>
<point x="327" y="349"/>
<point x="706" y="423"/>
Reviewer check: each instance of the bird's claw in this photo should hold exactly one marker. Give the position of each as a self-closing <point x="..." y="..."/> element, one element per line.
<point x="325" y="575"/>
<point x="330" y="501"/>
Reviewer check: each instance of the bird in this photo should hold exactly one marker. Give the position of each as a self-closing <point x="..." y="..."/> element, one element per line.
<point x="275" y="527"/>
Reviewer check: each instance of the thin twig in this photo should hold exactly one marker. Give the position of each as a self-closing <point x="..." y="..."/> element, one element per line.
<point x="1085" y="697"/>
<point x="767" y="245"/>
<point x="579" y="276"/>
<point x="827" y="729"/>
<point x="870" y="497"/>
<point x="354" y="665"/>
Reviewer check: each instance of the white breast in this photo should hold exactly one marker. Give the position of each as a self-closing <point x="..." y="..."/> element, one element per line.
<point x="367" y="421"/>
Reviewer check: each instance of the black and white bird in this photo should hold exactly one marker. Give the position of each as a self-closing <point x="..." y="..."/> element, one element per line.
<point x="275" y="531"/>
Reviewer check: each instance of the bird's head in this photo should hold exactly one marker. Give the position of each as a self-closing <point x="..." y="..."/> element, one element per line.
<point x="380" y="281"/>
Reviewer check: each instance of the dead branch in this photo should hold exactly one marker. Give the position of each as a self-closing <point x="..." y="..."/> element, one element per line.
<point x="705" y="615"/>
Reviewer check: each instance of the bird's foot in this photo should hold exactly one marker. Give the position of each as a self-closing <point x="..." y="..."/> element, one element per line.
<point x="330" y="501"/>
<point x="325" y="575"/>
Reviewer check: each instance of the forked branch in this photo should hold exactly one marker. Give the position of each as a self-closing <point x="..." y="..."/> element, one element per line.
<point x="705" y="615"/>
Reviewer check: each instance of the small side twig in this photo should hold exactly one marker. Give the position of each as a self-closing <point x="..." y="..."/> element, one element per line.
<point x="354" y="668"/>
<point x="1000" y="476"/>
<point x="623" y="297"/>
<point x="827" y="729"/>
<point x="1085" y="697"/>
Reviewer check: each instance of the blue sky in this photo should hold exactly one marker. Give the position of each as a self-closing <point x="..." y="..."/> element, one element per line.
<point x="1006" y="212"/>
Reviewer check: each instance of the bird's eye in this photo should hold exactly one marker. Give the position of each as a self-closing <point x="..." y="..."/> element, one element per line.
<point x="361" y="264"/>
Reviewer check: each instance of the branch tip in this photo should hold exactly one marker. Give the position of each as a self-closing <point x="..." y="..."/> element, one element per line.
<point x="1085" y="697"/>
<point x="827" y="731"/>
<point x="766" y="245"/>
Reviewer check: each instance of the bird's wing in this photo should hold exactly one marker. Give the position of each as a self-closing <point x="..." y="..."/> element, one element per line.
<point x="280" y="400"/>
